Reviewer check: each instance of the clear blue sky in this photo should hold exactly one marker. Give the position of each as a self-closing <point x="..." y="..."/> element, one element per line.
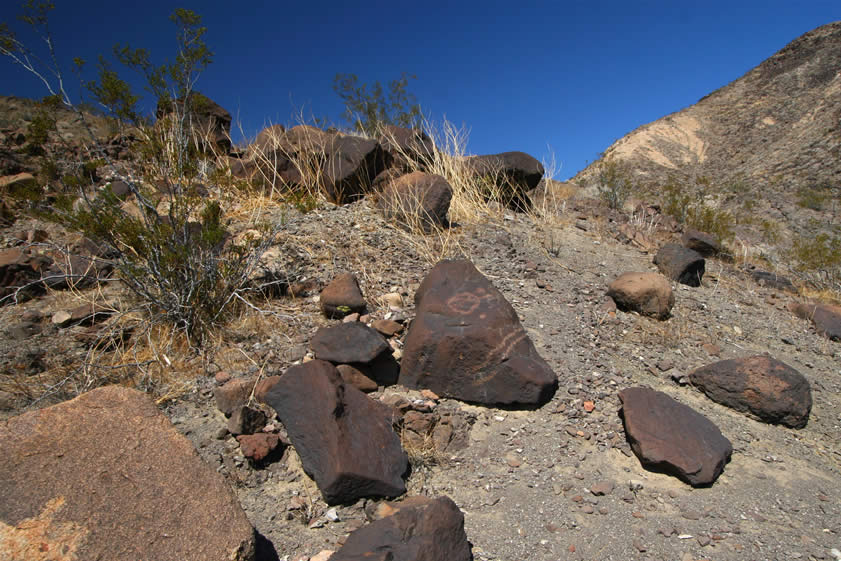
<point x="566" y="78"/>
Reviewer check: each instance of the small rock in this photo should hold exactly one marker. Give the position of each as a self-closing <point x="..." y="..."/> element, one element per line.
<point x="602" y="488"/>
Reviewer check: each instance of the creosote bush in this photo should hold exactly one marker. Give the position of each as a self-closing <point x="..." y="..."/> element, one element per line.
<point x="614" y="183"/>
<point x="169" y="246"/>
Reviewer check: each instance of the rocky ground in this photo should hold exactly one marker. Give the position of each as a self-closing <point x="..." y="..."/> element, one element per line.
<point x="561" y="481"/>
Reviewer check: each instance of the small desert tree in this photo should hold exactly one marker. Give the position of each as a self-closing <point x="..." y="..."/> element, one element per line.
<point x="174" y="254"/>
<point x="369" y="108"/>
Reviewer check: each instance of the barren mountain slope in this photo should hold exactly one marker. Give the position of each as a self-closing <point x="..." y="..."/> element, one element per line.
<point x="776" y="130"/>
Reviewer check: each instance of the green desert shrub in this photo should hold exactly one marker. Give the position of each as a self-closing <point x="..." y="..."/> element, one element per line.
<point x="169" y="246"/>
<point x="614" y="183"/>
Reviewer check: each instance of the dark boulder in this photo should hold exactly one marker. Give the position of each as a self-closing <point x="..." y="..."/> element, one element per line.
<point x="701" y="242"/>
<point x="351" y="165"/>
<point x="761" y="386"/>
<point x="416" y="529"/>
<point x="680" y="264"/>
<point x="672" y="437"/>
<point x="825" y="317"/>
<point x="410" y="149"/>
<point x="342" y="297"/>
<point x="509" y="175"/>
<point x="344" y="439"/>
<point x="348" y="343"/>
<point x="417" y="201"/>
<point x="467" y="342"/>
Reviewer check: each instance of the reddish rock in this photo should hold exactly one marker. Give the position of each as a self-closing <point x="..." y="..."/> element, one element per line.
<point x="825" y="317"/>
<point x="345" y="442"/>
<point x="417" y="529"/>
<point x="356" y="378"/>
<point x="466" y="342"/>
<point x="386" y="327"/>
<point x="233" y="395"/>
<point x="648" y="294"/>
<point x="671" y="437"/>
<point x="417" y="201"/>
<point x="263" y="387"/>
<point x="342" y="297"/>
<point x="761" y="386"/>
<point x="347" y="343"/>
<point x="701" y="242"/>
<point x="258" y="447"/>
<point x="106" y="476"/>
<point x="680" y="264"/>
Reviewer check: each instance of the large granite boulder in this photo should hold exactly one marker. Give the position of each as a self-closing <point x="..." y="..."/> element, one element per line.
<point x="467" y="342"/>
<point x="648" y="294"/>
<point x="764" y="387"/>
<point x="344" y="439"/>
<point x="417" y="529"/>
<point x="672" y="437"/>
<point x="106" y="476"/>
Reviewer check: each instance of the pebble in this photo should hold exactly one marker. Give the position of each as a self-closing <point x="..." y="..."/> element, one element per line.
<point x="602" y="488"/>
<point x="587" y="509"/>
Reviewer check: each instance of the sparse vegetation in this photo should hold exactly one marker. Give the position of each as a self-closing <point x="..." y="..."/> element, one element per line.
<point x="368" y="108"/>
<point x="171" y="251"/>
<point x="614" y="183"/>
<point x="690" y="206"/>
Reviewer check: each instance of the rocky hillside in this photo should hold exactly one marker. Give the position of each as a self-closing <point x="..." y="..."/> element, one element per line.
<point x="773" y="135"/>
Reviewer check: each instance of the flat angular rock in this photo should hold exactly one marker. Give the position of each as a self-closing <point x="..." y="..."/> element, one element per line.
<point x="417" y="529"/>
<point x="671" y="437"/>
<point x="345" y="442"/>
<point x="701" y="242"/>
<point x="417" y="201"/>
<point x="348" y="342"/>
<point x="466" y="342"/>
<point x="680" y="264"/>
<point x="342" y="297"/>
<point x="648" y="294"/>
<point x="357" y="378"/>
<point x="106" y="476"/>
<point x="761" y="386"/>
<point x="773" y="280"/>
<point x="825" y="317"/>
<point x="233" y="395"/>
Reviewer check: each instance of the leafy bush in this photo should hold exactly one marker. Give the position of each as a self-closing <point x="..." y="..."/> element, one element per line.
<point x="172" y="250"/>
<point x="814" y="198"/>
<point x="614" y="183"/>
<point x="821" y="252"/>
<point x="689" y="206"/>
<point x="367" y="110"/>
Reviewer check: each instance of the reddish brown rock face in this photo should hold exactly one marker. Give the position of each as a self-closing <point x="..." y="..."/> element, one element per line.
<point x="106" y="476"/>
<point x="825" y="317"/>
<point x="466" y="342"/>
<point x="672" y="437"/>
<point x="417" y="529"/>
<point x="648" y="294"/>
<point x="344" y="439"/>
<point x="761" y="386"/>
<point x="342" y="297"/>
